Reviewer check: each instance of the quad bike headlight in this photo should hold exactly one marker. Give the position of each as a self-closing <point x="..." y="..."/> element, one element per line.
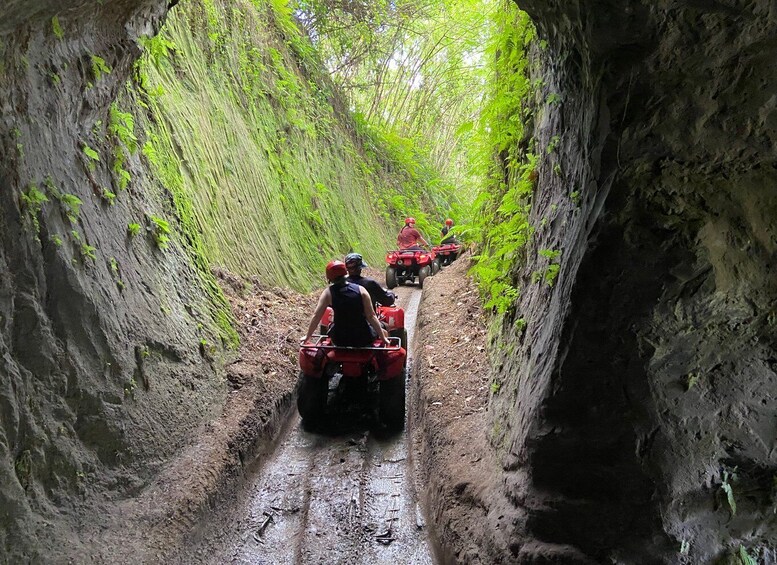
<point x="400" y="262"/>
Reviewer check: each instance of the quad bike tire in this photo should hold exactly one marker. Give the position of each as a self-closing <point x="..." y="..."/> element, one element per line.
<point x="392" y="403"/>
<point x="391" y="277"/>
<point x="436" y="266"/>
<point x="311" y="399"/>
<point x="422" y="274"/>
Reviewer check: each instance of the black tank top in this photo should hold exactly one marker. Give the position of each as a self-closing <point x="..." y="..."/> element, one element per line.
<point x="350" y="326"/>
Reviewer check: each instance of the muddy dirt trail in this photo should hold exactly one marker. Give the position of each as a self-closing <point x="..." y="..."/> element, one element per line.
<point x="346" y="497"/>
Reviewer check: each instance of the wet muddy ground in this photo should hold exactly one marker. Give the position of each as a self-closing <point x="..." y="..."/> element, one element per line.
<point x="345" y="494"/>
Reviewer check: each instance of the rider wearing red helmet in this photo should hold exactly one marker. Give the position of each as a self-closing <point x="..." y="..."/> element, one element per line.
<point x="409" y="237"/>
<point x="356" y="324"/>
<point x="446" y="228"/>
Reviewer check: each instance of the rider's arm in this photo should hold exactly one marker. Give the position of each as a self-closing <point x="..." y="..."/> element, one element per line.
<point x="324" y="300"/>
<point x="369" y="313"/>
<point x="385" y="298"/>
<point x="421" y="238"/>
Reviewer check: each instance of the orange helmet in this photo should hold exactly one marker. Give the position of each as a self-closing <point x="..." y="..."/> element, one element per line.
<point x="409" y="221"/>
<point x="335" y="270"/>
<point x="448" y="222"/>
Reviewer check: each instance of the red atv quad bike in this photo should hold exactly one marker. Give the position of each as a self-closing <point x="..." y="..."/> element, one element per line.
<point x="447" y="253"/>
<point x="392" y="318"/>
<point x="405" y="265"/>
<point x="333" y="378"/>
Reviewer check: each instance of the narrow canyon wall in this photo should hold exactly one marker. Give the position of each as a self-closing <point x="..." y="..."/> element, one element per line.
<point x="636" y="416"/>
<point x="142" y="143"/>
<point x="103" y="374"/>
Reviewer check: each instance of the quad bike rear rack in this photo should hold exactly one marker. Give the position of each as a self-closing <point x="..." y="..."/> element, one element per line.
<point x="318" y="345"/>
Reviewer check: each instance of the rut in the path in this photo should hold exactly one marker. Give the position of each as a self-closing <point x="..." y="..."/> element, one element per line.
<point x="348" y="498"/>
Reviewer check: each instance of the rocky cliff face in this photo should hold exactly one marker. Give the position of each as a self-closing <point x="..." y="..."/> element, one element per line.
<point x="100" y="331"/>
<point x="636" y="419"/>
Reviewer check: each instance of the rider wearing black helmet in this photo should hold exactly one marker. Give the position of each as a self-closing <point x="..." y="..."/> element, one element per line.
<point x="354" y="263"/>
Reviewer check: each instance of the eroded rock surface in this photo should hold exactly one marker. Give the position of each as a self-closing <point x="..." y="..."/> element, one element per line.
<point x="644" y="383"/>
<point x="103" y="373"/>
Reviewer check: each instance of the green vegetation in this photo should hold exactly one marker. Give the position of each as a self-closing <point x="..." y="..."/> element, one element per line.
<point x="56" y="28"/>
<point x="92" y="155"/>
<point x="505" y="199"/>
<point x="244" y="164"/>
<point x="23" y="468"/>
<point x="99" y="67"/>
<point x="728" y="491"/>
<point x="745" y="557"/>
<point x="87" y="251"/>
<point x="32" y="204"/>
<point x="413" y="71"/>
<point x="550" y="271"/>
<point x="113" y="264"/>
<point x="160" y="230"/>
<point x="266" y="178"/>
<point x="133" y="229"/>
<point x="130" y="387"/>
<point x="71" y="205"/>
<point x="108" y="196"/>
<point x="122" y="127"/>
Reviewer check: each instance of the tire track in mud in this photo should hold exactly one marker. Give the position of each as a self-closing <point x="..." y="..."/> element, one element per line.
<point x="318" y="499"/>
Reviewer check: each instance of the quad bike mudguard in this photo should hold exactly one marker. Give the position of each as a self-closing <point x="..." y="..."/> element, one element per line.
<point x="387" y="362"/>
<point x="447" y="253"/>
<point x="377" y="371"/>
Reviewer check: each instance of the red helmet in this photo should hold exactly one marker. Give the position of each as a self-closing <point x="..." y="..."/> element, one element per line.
<point x="335" y="270"/>
<point x="409" y="221"/>
<point x="448" y="222"/>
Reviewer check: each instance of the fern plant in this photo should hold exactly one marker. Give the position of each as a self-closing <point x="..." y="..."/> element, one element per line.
<point x="99" y="67"/>
<point x="161" y="231"/>
<point x="32" y="203"/>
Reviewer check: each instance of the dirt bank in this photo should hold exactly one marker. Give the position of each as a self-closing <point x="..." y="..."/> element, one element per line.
<point x="447" y="406"/>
